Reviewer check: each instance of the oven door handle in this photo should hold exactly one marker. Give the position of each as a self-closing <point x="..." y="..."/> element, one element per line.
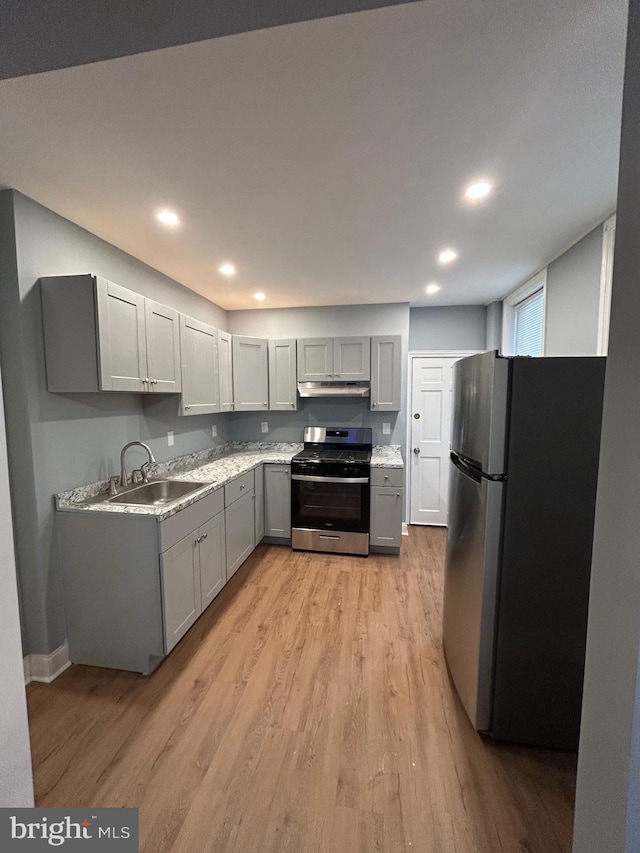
<point x="308" y="478"/>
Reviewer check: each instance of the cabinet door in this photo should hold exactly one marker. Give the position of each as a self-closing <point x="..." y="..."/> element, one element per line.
<point x="122" y="345"/>
<point x="352" y="358"/>
<point x="282" y="375"/>
<point x="240" y="532"/>
<point x="225" y="372"/>
<point x="250" y="375"/>
<point x="386" y="373"/>
<point x="259" y="503"/>
<point x="277" y="501"/>
<point x="213" y="559"/>
<point x="315" y="359"/>
<point x="199" y="363"/>
<point x="386" y="516"/>
<point x="180" y="589"/>
<point x="163" y="347"/>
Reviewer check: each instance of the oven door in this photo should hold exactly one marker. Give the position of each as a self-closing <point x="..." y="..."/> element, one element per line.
<point x="330" y="503"/>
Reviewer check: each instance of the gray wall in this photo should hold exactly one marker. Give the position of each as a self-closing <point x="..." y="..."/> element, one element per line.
<point x="57" y="441"/>
<point x="345" y="320"/>
<point x="608" y="790"/>
<point x="573" y="297"/>
<point x="494" y="325"/>
<point x="16" y="786"/>
<point x="453" y="327"/>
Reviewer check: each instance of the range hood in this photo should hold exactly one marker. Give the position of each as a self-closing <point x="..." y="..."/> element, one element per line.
<point x="333" y="389"/>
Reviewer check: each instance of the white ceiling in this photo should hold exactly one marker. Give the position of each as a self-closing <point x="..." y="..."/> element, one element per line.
<point x="327" y="159"/>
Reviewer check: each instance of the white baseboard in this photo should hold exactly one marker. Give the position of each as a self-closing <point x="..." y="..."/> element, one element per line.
<point x="45" y="668"/>
<point x="405" y="528"/>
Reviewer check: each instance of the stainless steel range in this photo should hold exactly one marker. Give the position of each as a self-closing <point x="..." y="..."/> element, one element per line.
<point x="330" y="491"/>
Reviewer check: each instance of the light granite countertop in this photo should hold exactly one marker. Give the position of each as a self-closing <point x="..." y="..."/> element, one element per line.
<point x="214" y="467"/>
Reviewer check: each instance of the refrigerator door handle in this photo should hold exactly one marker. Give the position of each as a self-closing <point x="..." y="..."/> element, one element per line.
<point x="467" y="470"/>
<point x="475" y="473"/>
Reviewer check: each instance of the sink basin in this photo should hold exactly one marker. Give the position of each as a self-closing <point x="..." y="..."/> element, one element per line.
<point x="156" y="493"/>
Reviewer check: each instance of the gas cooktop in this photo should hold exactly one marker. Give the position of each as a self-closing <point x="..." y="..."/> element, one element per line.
<point x="312" y="455"/>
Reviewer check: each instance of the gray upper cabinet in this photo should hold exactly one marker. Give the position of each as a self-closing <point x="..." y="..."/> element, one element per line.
<point x="351" y="359"/>
<point x="347" y="359"/>
<point x="315" y="359"/>
<point x="100" y="336"/>
<point x="250" y="374"/>
<point x="122" y="344"/>
<point x="199" y="348"/>
<point x="386" y="373"/>
<point x="162" y="327"/>
<point x="225" y="371"/>
<point x="282" y="375"/>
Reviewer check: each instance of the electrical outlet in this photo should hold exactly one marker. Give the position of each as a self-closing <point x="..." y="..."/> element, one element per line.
<point x="170" y="440"/>
<point x="214" y="431"/>
<point x="386" y="429"/>
<point x="264" y="426"/>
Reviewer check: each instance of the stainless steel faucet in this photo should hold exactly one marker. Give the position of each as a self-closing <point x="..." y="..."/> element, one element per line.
<point x="123" y="471"/>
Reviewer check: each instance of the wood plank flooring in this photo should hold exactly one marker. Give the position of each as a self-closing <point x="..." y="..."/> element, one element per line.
<point x="309" y="709"/>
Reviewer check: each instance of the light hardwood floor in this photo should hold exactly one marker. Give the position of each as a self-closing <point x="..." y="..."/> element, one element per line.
<point x="309" y="709"/>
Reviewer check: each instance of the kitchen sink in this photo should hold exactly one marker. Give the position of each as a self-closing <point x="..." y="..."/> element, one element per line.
<point x="156" y="493"/>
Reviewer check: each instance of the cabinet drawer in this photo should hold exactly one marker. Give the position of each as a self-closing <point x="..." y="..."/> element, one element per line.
<point x="387" y="477"/>
<point x="177" y="526"/>
<point x="242" y="485"/>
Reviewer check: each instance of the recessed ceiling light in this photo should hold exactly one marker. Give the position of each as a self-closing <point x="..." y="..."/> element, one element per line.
<point x="432" y="288"/>
<point x="259" y="296"/>
<point x="227" y="269"/>
<point x="446" y="256"/>
<point x="478" y="190"/>
<point x="168" y="217"/>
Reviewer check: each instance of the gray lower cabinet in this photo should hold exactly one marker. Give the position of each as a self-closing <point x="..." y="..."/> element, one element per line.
<point x="193" y="573"/>
<point x="386" y="509"/>
<point x="199" y="364"/>
<point x="133" y="586"/>
<point x="240" y="534"/>
<point x="213" y="559"/>
<point x="386" y="373"/>
<point x="100" y="336"/>
<point x="277" y="501"/>
<point x="180" y="592"/>
<point x="259" y="503"/>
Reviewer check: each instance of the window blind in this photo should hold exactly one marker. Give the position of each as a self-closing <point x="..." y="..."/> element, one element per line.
<point x="528" y="319"/>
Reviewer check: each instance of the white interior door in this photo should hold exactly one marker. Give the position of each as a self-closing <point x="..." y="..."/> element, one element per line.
<point x="430" y="430"/>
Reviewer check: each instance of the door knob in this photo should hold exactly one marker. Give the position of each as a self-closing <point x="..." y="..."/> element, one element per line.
<point x="416" y="450"/>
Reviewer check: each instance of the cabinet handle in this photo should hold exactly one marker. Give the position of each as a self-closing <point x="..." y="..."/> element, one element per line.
<point x="373" y="405"/>
<point x="397" y="495"/>
<point x="204" y="535"/>
<point x="386" y="476"/>
<point x="197" y="540"/>
<point x="146" y="380"/>
<point x="293" y="405"/>
<point x="242" y="487"/>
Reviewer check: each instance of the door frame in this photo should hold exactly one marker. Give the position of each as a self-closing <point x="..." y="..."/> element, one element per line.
<point x="410" y="356"/>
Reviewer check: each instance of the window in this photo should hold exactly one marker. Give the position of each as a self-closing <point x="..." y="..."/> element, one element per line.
<point x="523" y="318"/>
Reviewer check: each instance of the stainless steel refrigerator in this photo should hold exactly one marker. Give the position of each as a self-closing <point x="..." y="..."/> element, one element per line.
<point x="524" y="464"/>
